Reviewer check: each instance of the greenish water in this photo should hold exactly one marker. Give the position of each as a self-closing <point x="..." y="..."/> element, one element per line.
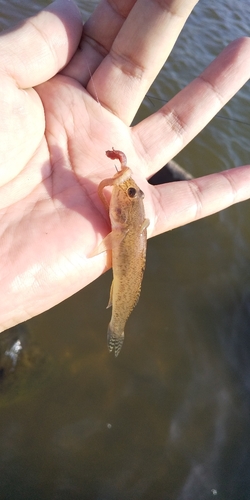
<point x="168" y="419"/>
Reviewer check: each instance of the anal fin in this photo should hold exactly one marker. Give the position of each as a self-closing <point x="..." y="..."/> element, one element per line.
<point x="110" y="296"/>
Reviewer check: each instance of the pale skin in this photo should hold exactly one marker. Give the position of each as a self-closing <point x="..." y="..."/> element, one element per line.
<point x="53" y="138"/>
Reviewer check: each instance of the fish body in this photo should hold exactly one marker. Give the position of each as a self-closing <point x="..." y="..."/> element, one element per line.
<point x="128" y="242"/>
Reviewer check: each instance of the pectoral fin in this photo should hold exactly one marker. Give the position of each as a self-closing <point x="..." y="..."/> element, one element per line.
<point x="112" y="240"/>
<point x="145" y="224"/>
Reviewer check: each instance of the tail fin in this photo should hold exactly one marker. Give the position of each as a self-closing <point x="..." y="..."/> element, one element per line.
<point x="114" y="340"/>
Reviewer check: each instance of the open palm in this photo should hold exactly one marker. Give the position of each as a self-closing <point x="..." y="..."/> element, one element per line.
<point x="54" y="135"/>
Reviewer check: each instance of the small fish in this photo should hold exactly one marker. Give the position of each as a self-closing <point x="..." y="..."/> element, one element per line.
<point x="128" y="241"/>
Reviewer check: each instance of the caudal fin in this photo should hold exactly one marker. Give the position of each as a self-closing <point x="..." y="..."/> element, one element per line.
<point x="114" y="340"/>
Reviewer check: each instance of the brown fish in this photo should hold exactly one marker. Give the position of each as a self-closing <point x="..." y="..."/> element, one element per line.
<point x="128" y="241"/>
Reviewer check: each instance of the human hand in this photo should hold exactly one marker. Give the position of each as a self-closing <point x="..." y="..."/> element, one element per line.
<point x="54" y="135"/>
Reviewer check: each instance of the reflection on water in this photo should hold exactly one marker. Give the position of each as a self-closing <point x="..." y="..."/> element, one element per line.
<point x="168" y="419"/>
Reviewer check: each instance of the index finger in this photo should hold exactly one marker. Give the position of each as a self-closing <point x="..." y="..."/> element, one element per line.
<point x="164" y="134"/>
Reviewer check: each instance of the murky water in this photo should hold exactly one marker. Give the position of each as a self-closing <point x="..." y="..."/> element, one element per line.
<point x="170" y="418"/>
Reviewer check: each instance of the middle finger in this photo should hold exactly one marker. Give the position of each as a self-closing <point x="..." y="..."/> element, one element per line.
<point x="138" y="53"/>
<point x="99" y="33"/>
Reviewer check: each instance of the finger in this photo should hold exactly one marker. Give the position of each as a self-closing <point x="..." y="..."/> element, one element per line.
<point x="138" y="53"/>
<point x="165" y="133"/>
<point x="179" y="203"/>
<point x="39" y="47"/>
<point x="99" y="33"/>
<point x="106" y="21"/>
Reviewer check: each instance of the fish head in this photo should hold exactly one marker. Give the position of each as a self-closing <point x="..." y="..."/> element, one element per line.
<point x="126" y="202"/>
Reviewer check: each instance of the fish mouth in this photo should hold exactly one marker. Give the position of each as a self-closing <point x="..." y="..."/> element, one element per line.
<point x="122" y="176"/>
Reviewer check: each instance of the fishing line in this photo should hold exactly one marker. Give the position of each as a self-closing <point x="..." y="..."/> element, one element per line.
<point x="151" y="97"/>
<point x="93" y="83"/>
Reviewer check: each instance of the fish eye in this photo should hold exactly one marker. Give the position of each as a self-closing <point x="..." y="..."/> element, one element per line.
<point x="131" y="192"/>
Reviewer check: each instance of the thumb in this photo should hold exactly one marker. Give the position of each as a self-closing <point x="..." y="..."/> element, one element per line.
<point x="39" y="47"/>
